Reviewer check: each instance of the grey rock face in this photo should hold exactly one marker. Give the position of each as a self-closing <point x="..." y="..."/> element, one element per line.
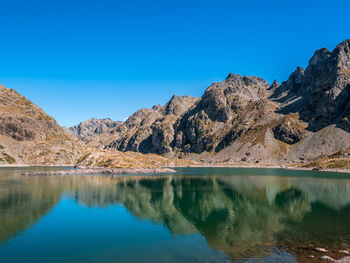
<point x="221" y="97"/>
<point x="202" y="127"/>
<point x="16" y="128"/>
<point x="151" y="130"/>
<point x="93" y="126"/>
<point x="321" y="93"/>
<point x="178" y="105"/>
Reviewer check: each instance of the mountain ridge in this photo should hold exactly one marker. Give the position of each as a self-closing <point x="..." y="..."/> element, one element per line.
<point x="244" y="119"/>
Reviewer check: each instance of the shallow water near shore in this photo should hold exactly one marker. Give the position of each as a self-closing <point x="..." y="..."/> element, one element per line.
<point x="195" y="215"/>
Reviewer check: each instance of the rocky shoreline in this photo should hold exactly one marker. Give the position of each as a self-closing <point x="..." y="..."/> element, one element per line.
<point x="102" y="171"/>
<point x="124" y="171"/>
<point x="306" y="254"/>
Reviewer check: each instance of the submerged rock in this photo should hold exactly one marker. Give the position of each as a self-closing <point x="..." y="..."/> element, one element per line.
<point x="327" y="258"/>
<point x="320" y="249"/>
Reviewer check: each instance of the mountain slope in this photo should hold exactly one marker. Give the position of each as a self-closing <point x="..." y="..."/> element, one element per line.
<point x="243" y="119"/>
<point x="29" y="136"/>
<point x="151" y="130"/>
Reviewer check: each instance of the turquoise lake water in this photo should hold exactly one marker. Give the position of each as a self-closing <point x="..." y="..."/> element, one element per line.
<point x="195" y="215"/>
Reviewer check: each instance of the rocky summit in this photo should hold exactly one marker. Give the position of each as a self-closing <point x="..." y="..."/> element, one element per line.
<point x="244" y="119"/>
<point x="29" y="136"/>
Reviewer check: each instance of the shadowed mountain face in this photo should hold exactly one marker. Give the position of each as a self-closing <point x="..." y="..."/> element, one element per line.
<point x="243" y="215"/>
<point x="151" y="130"/>
<point x="243" y="118"/>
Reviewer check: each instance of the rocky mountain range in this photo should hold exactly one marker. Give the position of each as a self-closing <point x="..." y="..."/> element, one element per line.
<point x="29" y="136"/>
<point x="244" y="119"/>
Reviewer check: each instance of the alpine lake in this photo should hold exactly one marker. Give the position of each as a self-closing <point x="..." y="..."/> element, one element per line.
<point x="194" y="215"/>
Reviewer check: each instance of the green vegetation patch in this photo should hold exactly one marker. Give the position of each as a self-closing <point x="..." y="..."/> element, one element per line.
<point x="83" y="157"/>
<point x="8" y="158"/>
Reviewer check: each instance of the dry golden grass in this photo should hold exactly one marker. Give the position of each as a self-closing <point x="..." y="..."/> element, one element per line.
<point x="338" y="160"/>
<point x="116" y="159"/>
<point x="341" y="163"/>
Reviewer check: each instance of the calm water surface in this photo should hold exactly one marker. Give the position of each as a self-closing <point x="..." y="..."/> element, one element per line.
<point x="196" y="215"/>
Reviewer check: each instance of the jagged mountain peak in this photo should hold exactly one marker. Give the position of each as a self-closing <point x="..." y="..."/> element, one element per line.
<point x="178" y="104"/>
<point x="274" y="85"/>
<point x="320" y="93"/>
<point x="320" y="55"/>
<point x="247" y="88"/>
<point x="248" y="80"/>
<point x="341" y="51"/>
<point x="175" y="106"/>
<point x="233" y="76"/>
<point x="293" y="84"/>
<point x="344" y="46"/>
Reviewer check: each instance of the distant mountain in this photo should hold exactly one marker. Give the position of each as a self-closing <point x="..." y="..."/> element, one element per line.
<point x="29" y="136"/>
<point x="93" y="126"/>
<point x="243" y="119"/>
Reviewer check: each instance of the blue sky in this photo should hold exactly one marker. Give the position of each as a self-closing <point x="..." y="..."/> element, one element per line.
<point x="79" y="59"/>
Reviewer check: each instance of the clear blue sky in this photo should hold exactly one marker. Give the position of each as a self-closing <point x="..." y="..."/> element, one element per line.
<point x="79" y="59"/>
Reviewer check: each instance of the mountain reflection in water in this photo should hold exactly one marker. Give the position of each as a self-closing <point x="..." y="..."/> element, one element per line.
<point x="242" y="215"/>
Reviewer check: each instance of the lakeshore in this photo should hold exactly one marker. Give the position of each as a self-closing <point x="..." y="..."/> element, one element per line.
<point x="70" y="170"/>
